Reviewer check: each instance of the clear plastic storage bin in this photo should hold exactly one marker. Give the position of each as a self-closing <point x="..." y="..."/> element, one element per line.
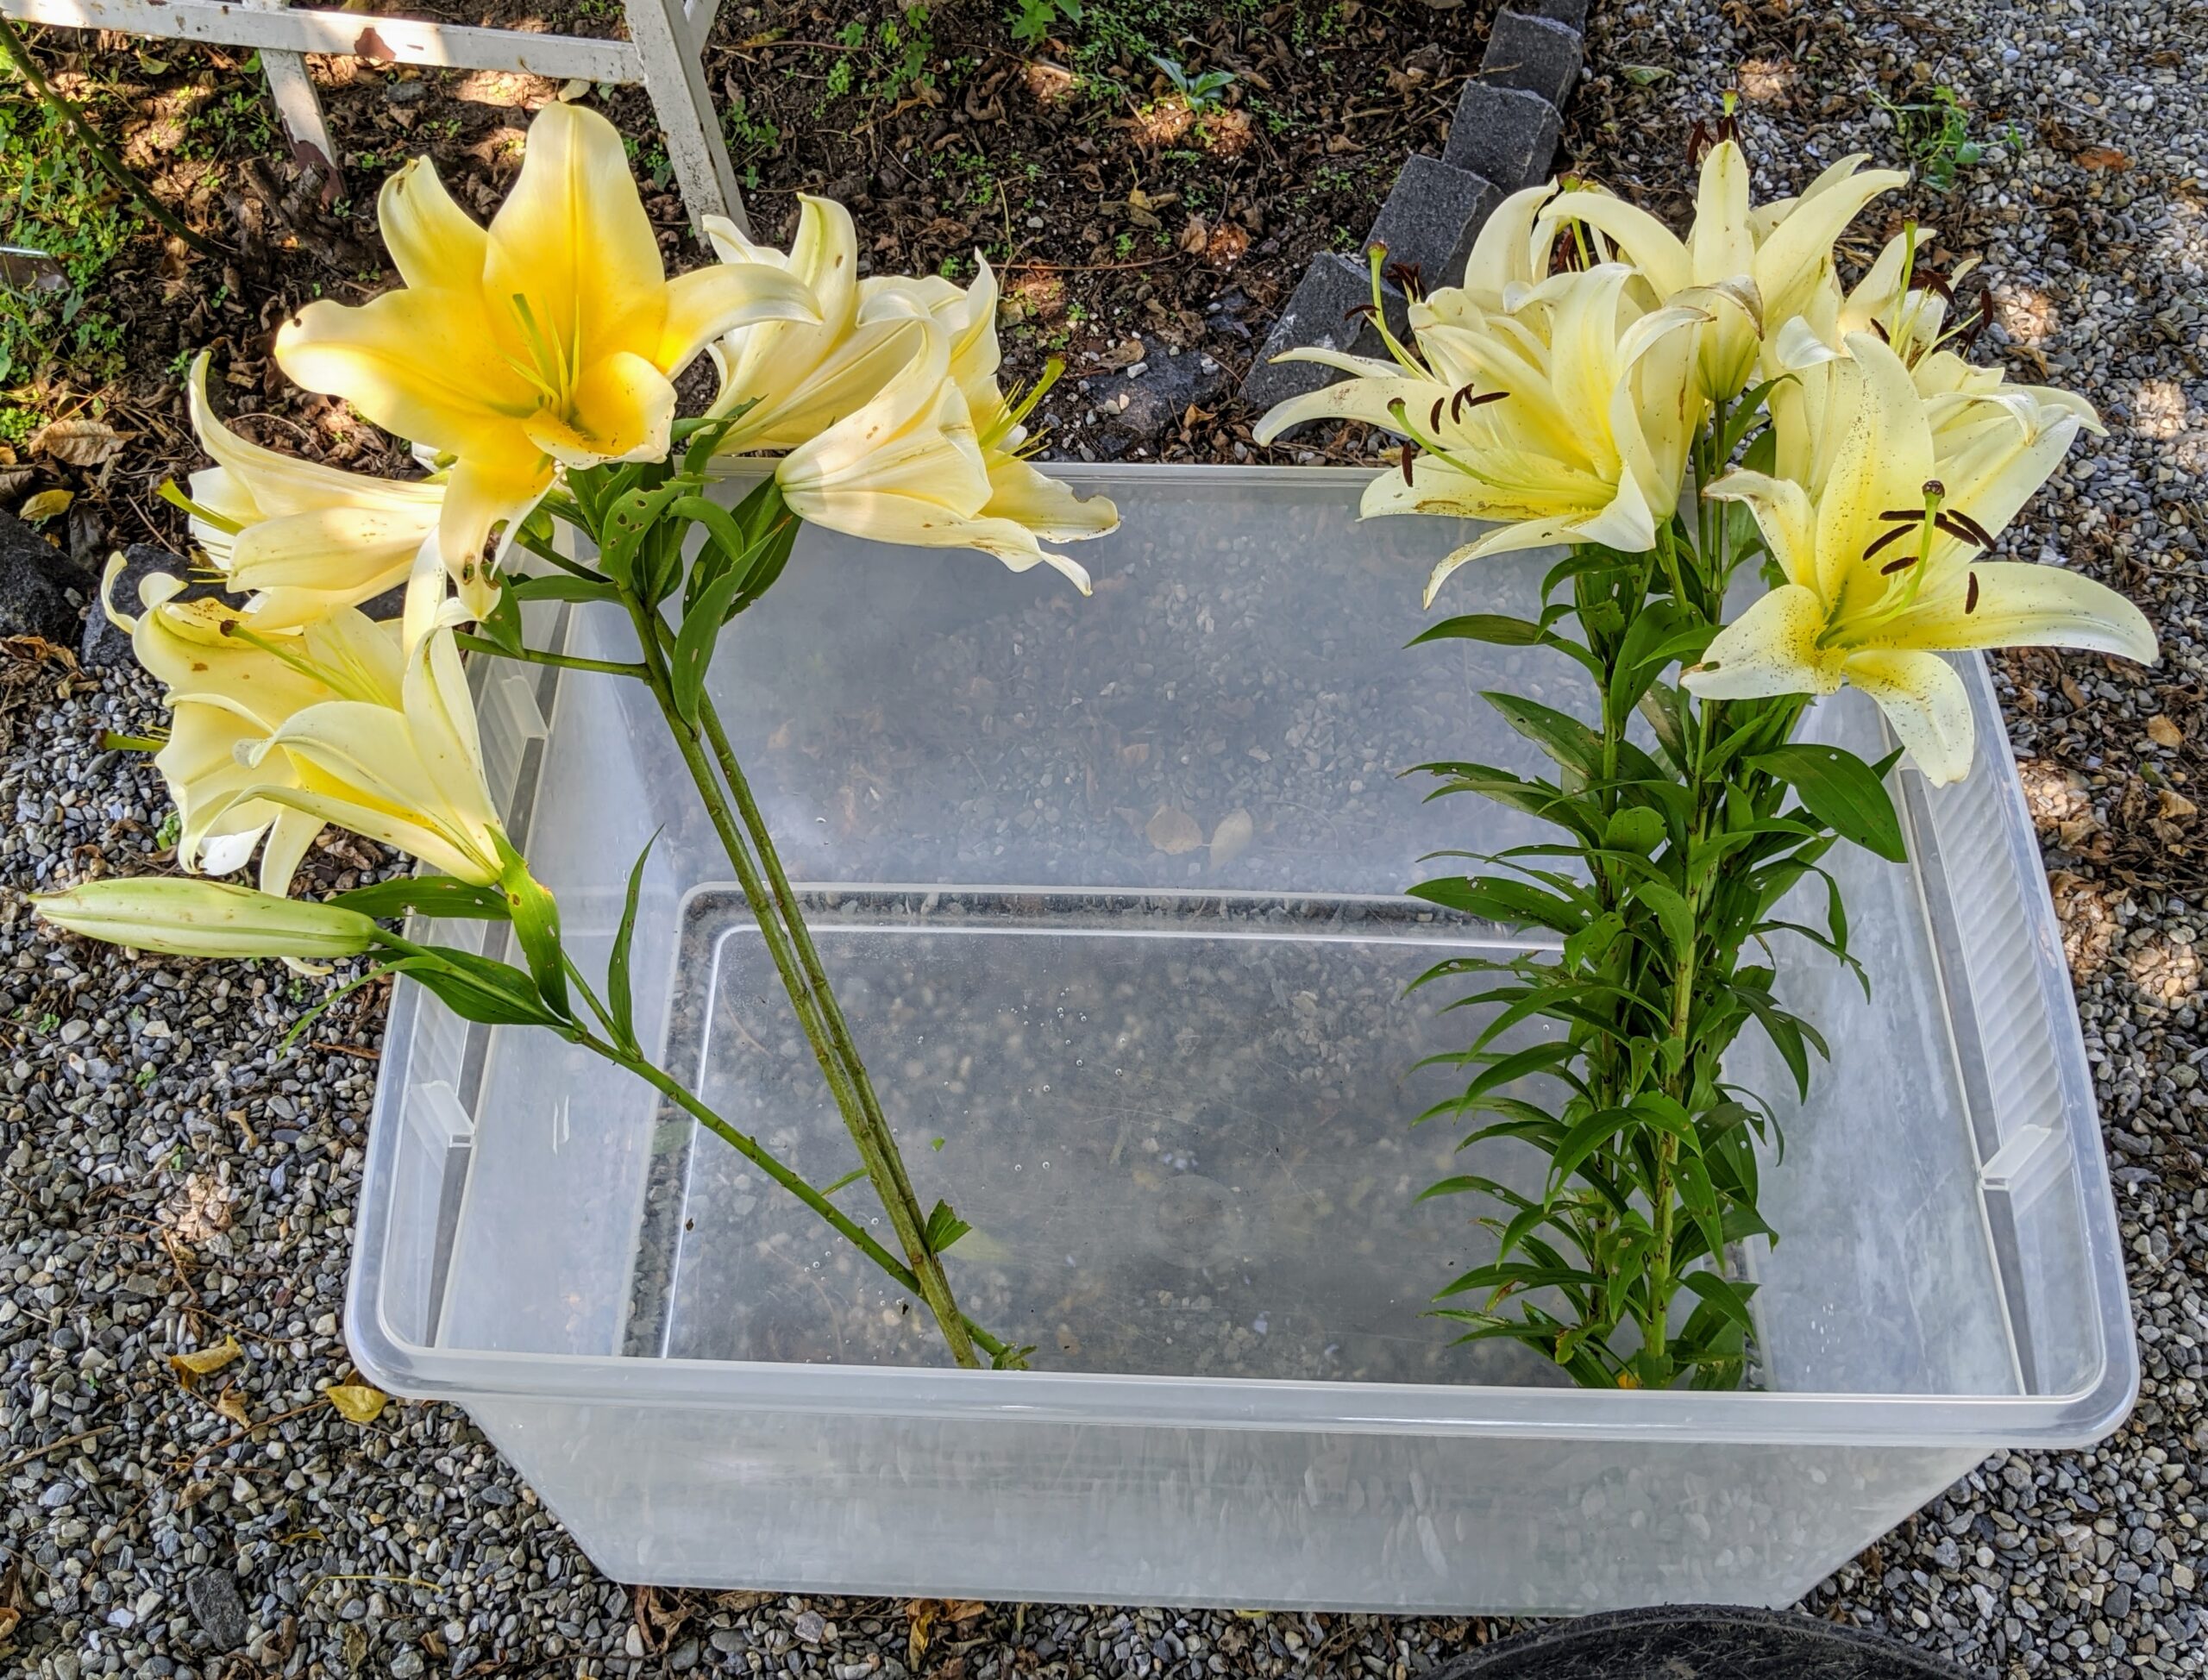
<point x="1112" y="890"/>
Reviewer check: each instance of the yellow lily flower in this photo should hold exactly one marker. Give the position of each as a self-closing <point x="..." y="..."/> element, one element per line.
<point x="300" y="538"/>
<point x="1567" y="418"/>
<point x="801" y="377"/>
<point x="1750" y="272"/>
<point x="550" y="339"/>
<point x="1878" y="533"/>
<point x="231" y="686"/>
<point x="207" y="918"/>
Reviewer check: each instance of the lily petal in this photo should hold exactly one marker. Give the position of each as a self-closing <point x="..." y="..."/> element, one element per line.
<point x="1771" y="648"/>
<point x="1926" y="705"/>
<point x="2018" y="605"/>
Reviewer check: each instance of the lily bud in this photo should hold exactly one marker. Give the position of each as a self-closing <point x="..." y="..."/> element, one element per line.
<point x="196" y="917"/>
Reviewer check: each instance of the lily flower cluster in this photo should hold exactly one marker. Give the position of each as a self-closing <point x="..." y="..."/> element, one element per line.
<point x="1679" y="414"/>
<point x="1576" y="387"/>
<point x="512" y="357"/>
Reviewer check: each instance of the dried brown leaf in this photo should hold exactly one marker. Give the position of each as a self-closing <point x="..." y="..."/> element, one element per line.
<point x="2103" y="157"/>
<point x="1173" y="831"/>
<point x="47" y="505"/>
<point x="231" y="1404"/>
<point x="1232" y="838"/>
<point x="79" y="442"/>
<point x="2164" y="733"/>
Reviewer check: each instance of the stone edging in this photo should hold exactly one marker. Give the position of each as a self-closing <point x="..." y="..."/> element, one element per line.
<point x="1503" y="137"/>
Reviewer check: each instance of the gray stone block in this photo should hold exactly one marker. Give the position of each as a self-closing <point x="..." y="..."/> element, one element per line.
<point x="42" y="591"/>
<point x="1534" y="53"/>
<point x="1317" y="316"/>
<point x="1572" y="14"/>
<point x="1506" y="134"/>
<point x="1433" y="213"/>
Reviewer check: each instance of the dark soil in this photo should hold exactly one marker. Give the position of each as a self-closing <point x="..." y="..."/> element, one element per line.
<point x="1126" y="226"/>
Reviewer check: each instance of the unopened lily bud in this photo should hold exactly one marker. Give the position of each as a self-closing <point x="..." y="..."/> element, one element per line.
<point x="197" y="917"/>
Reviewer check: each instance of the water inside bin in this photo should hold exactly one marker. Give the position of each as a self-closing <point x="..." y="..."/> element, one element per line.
<point x="1110" y="891"/>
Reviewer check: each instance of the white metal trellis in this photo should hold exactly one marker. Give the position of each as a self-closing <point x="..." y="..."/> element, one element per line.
<point x="661" y="52"/>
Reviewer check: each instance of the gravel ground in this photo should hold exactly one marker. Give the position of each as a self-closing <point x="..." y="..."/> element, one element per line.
<point x="165" y="1183"/>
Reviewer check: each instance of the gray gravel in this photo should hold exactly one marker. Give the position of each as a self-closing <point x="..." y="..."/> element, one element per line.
<point x="164" y="1182"/>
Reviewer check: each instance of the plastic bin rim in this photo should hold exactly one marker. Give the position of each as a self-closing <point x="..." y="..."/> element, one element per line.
<point x="1987" y="1422"/>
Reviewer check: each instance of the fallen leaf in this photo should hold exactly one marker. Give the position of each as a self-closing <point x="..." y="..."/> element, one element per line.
<point x="1173" y="831"/>
<point x="2164" y="733"/>
<point x="205" y="1361"/>
<point x="1232" y="838"/>
<point x="2175" y="803"/>
<point x="231" y="1404"/>
<point x="2077" y="831"/>
<point x="2103" y="157"/>
<point x="78" y="443"/>
<point x="1194" y="234"/>
<point x="356" y="1401"/>
<point x="1644" y="75"/>
<point x="47" y="505"/>
<point x="924" y="1613"/>
<point x="572" y="90"/>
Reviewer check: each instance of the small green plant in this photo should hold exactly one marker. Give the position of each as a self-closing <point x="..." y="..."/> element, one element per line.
<point x="60" y="205"/>
<point x="48" y="1022"/>
<point x="170" y="830"/>
<point x="1032" y="21"/>
<point x="1934" y="134"/>
<point x="747" y="130"/>
<point x="1197" y="92"/>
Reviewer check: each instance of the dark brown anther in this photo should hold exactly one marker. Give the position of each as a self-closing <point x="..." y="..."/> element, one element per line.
<point x="1975" y="532"/>
<point x="1888" y="539"/>
<point x="1405" y="276"/>
<point x="1894" y="565"/>
<point x="1933" y="283"/>
<point x="1465" y="399"/>
<point x="1880" y="328"/>
<point x="1970" y="596"/>
<point x="1908" y="515"/>
<point x="1433" y="419"/>
<point x="1984" y="320"/>
<point x="1410" y="454"/>
<point x="1361" y="312"/>
<point x="1697" y="142"/>
<point x="1961" y="530"/>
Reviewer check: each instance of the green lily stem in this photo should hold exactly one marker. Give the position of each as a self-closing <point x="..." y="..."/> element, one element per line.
<point x="813" y="1000"/>
<point x="611" y="667"/>
<point x="749" y="1149"/>
<point x="900" y="1184"/>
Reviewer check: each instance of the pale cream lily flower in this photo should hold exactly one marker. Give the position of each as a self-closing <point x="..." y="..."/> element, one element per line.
<point x="1750" y="272"/>
<point x="303" y="539"/>
<point x="549" y="339"/>
<point x="1880" y="558"/>
<point x="1567" y="418"/>
<point x="799" y="377"/>
<point x="207" y="918"/>
<point x="409" y="776"/>
<point x="231" y="686"/>
<point x="926" y="465"/>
